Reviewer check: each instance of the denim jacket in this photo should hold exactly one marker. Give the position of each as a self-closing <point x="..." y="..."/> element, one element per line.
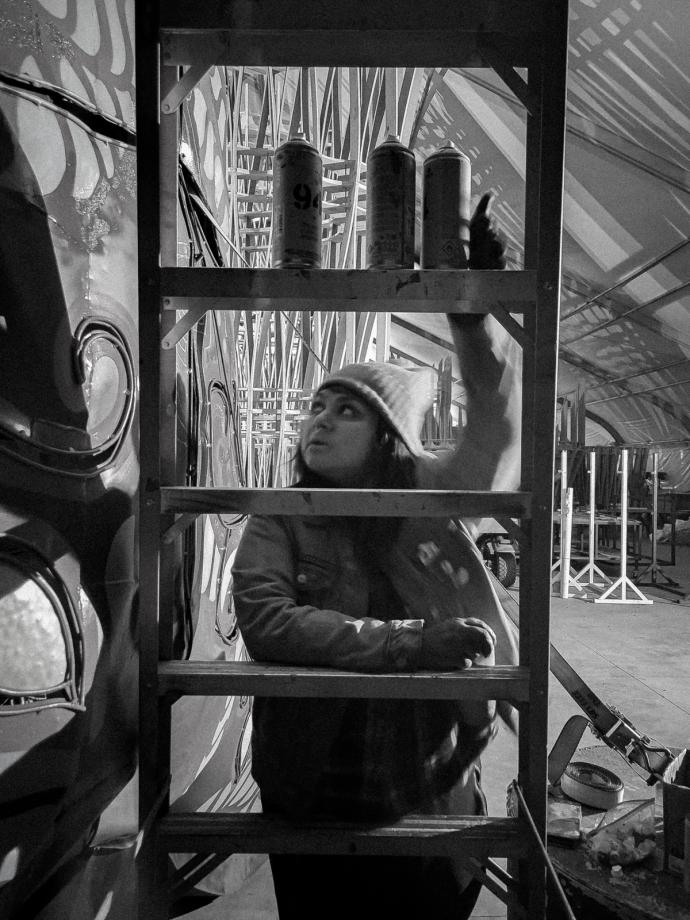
<point x="303" y="597"/>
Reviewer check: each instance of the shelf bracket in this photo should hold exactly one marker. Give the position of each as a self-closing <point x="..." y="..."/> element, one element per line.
<point x="511" y="325"/>
<point x="193" y="871"/>
<point x="480" y="871"/>
<point x="184" y="86"/>
<point x="508" y="74"/>
<point x="181" y="523"/>
<point x="184" y="324"/>
<point x="515" y="531"/>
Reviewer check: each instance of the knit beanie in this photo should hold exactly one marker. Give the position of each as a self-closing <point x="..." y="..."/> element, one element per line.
<point x="401" y="395"/>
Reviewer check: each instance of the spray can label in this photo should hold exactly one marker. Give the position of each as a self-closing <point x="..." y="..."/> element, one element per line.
<point x="297" y="188"/>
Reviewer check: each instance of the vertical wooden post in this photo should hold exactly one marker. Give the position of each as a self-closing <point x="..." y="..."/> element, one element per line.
<point x="167" y="425"/>
<point x="543" y="231"/>
<point x="154" y="209"/>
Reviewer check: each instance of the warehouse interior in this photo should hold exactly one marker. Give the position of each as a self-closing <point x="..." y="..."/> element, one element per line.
<point x="83" y="358"/>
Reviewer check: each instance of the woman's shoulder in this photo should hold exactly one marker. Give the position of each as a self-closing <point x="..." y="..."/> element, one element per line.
<point x="262" y="527"/>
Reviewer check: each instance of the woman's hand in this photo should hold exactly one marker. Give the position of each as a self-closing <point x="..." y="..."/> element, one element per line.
<point x="487" y="248"/>
<point x="455" y="643"/>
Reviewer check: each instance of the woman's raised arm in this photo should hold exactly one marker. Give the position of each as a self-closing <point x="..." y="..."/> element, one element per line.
<point x="487" y="453"/>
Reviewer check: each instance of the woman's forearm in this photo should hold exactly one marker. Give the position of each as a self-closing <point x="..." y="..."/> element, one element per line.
<point x="488" y="451"/>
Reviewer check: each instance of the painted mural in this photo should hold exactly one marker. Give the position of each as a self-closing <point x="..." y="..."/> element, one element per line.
<point x="69" y="470"/>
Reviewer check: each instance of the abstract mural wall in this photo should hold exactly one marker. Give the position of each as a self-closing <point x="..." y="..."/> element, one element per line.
<point x="69" y="471"/>
<point x="68" y="464"/>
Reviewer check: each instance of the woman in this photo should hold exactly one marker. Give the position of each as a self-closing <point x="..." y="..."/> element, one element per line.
<point x="382" y="595"/>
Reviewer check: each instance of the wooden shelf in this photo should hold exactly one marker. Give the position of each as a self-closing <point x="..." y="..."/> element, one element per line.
<point x="478" y="837"/>
<point x="445" y="33"/>
<point x="350" y="48"/>
<point x="388" y="290"/>
<point x="233" y="678"/>
<point x="498" y="34"/>
<point x="345" y="502"/>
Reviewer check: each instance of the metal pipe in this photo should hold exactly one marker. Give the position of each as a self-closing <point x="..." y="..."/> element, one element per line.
<point x="664" y="386"/>
<point x="644" y="373"/>
<point x="620" y="316"/>
<point x="636" y="274"/>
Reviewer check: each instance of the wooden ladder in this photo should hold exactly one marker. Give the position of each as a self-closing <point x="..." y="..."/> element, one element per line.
<point x="176" y="45"/>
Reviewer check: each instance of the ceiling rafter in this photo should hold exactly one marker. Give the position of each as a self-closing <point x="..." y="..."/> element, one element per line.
<point x="647" y="371"/>
<point x="576" y="285"/>
<point x="667" y="296"/>
<point x="672" y="410"/>
<point x="632" y="276"/>
<point x="596" y="135"/>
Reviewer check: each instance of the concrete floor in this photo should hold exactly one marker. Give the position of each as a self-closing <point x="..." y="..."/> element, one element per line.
<point x="635" y="656"/>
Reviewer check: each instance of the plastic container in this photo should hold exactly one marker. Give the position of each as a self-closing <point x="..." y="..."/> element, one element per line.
<point x="625" y="834"/>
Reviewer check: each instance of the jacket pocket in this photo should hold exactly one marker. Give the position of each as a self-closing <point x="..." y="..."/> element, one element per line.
<point x="317" y="582"/>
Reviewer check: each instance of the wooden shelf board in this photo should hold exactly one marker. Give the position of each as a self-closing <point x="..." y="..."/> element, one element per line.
<point x="346" y="502"/>
<point x="387" y="290"/>
<point x="249" y="678"/>
<point x="442" y="33"/>
<point x="468" y="16"/>
<point x="191" y="832"/>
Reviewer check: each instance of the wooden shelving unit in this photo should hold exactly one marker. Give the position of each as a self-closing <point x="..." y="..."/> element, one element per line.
<point x="177" y="42"/>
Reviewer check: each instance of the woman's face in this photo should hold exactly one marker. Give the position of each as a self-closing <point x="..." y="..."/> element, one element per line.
<point x="339" y="438"/>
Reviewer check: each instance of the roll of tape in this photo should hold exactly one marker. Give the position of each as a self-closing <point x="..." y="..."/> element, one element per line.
<point x="592" y="785"/>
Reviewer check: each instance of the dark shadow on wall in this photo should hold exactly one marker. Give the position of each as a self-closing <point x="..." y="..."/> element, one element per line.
<point x="70" y="494"/>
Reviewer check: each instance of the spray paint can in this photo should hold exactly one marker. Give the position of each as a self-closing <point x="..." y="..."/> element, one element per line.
<point x="391" y="177"/>
<point x="446" y="209"/>
<point x="297" y="182"/>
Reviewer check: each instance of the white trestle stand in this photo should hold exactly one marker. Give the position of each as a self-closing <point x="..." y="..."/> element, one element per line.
<point x="654" y="569"/>
<point x="561" y="570"/>
<point x="623" y="582"/>
<point x="592" y="570"/>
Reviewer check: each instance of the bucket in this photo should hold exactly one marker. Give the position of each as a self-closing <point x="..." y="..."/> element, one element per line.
<point x="676" y="800"/>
